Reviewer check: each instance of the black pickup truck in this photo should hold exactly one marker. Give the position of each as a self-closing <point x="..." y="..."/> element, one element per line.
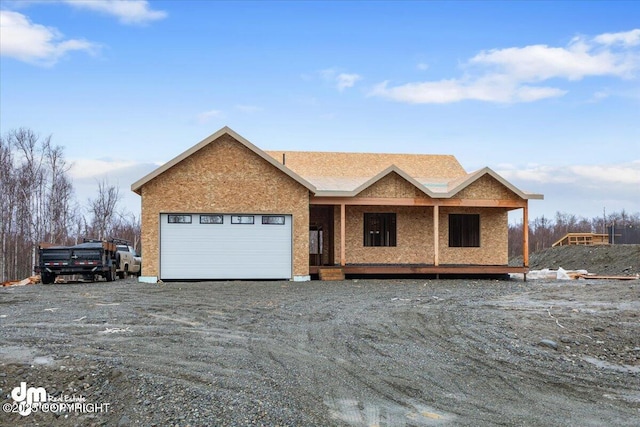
<point x="90" y="259"/>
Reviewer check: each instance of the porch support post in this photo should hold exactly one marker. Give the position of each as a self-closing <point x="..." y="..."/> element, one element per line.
<point x="343" y="232"/>
<point x="525" y="235"/>
<point x="436" y="235"/>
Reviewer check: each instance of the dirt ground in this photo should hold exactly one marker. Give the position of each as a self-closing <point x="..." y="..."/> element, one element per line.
<point x="351" y="353"/>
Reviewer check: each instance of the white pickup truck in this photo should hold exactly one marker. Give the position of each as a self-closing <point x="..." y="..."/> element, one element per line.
<point x="127" y="260"/>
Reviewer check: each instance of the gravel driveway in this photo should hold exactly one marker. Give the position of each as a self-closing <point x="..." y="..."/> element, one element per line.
<point x="352" y="353"/>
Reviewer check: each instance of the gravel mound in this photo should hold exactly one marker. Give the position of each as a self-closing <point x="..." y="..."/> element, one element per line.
<point x="611" y="260"/>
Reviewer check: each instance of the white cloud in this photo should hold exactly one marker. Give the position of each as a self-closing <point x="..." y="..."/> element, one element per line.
<point x="447" y="91"/>
<point x="127" y="12"/>
<point x="207" y="116"/>
<point x="614" y="174"/>
<point x="87" y="168"/>
<point x="341" y="81"/>
<point x="346" y="80"/>
<point x="579" y="189"/>
<point x="34" y="43"/>
<point x="629" y="38"/>
<point x="626" y="174"/>
<point x="600" y="95"/>
<point x="514" y="74"/>
<point x="87" y="173"/>
<point x="540" y="62"/>
<point x="422" y="66"/>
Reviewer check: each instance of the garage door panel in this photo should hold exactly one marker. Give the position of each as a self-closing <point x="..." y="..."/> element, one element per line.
<point x="225" y="251"/>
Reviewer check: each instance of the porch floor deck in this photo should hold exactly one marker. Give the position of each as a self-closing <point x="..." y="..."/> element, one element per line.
<point x="423" y="269"/>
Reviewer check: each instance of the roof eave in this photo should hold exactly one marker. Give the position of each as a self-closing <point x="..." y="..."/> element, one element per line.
<point x="534" y="196"/>
<point x="474" y="176"/>
<point x="401" y="173"/>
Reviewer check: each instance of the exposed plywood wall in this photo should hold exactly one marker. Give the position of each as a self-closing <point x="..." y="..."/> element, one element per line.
<point x="415" y="237"/>
<point x="493" y="248"/>
<point x="392" y="185"/>
<point x="487" y="188"/>
<point x="224" y="177"/>
<point x="414" y="242"/>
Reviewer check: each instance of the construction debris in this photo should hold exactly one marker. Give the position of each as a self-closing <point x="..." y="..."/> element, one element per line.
<point x="599" y="277"/>
<point x="28" y="281"/>
<point x="562" y="274"/>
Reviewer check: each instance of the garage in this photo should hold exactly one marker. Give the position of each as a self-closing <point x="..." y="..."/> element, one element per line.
<point x="225" y="246"/>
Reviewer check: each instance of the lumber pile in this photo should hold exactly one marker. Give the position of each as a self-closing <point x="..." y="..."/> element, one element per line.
<point x="28" y="281"/>
<point x="600" y="277"/>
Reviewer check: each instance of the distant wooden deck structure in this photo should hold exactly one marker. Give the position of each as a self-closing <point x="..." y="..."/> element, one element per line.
<point x="583" y="239"/>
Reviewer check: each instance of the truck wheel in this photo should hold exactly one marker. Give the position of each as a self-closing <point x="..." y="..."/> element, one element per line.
<point x="124" y="273"/>
<point x="48" y="278"/>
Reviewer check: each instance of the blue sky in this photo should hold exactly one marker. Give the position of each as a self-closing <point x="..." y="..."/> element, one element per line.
<point x="545" y="93"/>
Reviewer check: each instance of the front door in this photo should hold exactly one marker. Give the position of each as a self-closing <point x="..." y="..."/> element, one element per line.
<point x="321" y="235"/>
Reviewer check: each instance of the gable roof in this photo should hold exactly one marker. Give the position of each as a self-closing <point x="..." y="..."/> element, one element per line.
<point x="334" y="174"/>
<point x="337" y="174"/>
<point x="458" y="185"/>
<point x="137" y="186"/>
<point x="367" y="165"/>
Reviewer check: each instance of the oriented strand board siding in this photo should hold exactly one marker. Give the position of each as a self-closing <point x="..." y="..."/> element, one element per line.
<point x="224" y="177"/>
<point x="487" y="188"/>
<point x="493" y="248"/>
<point x="415" y="237"/>
<point x="312" y="164"/>
<point x="414" y="227"/>
<point x="392" y="185"/>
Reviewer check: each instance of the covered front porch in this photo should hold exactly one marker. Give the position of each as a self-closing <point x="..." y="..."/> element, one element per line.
<point x="339" y="233"/>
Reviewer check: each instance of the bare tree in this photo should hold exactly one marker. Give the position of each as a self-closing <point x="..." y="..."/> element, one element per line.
<point x="103" y="211"/>
<point x="128" y="227"/>
<point x="36" y="194"/>
<point x="59" y="196"/>
<point x="544" y="232"/>
<point x="7" y="190"/>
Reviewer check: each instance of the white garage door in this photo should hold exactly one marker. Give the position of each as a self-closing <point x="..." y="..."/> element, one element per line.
<point x="216" y="246"/>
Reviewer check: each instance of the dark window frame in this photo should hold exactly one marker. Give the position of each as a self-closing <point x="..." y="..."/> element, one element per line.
<point x="464" y="230"/>
<point x="380" y="229"/>
<point x="212" y="216"/>
<point x="173" y="219"/>
<point x="235" y="221"/>
<point x="266" y="218"/>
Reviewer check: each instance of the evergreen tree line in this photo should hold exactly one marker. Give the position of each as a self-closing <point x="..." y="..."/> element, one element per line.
<point x="544" y="232"/>
<point x="38" y="204"/>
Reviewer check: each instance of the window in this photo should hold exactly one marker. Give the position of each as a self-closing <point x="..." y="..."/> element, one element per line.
<point x="179" y="219"/>
<point x="379" y="229"/>
<point x="242" y="219"/>
<point x="273" y="219"/>
<point x="211" y="219"/>
<point x="464" y="230"/>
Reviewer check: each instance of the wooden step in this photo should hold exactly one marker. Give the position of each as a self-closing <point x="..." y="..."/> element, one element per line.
<point x="331" y="273"/>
